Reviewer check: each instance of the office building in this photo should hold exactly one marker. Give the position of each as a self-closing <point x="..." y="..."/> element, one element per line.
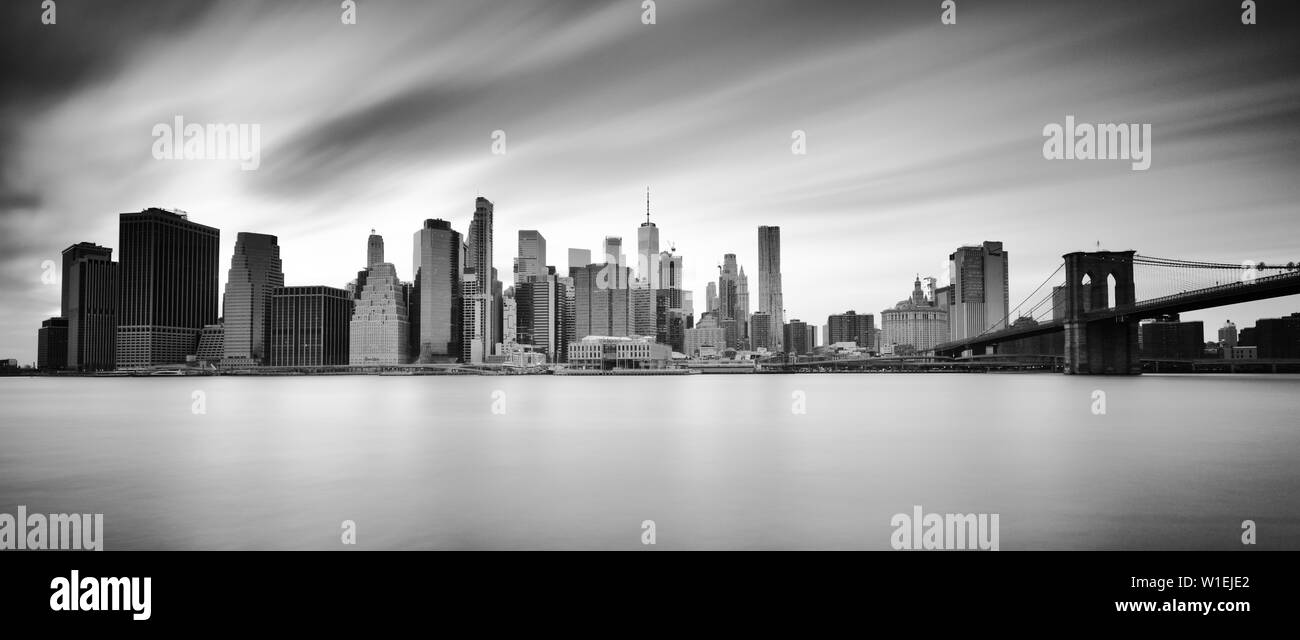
<point x="310" y="327"/>
<point x="770" y="299"/>
<point x="473" y="306"/>
<point x="90" y="293"/>
<point x="917" y="324"/>
<point x="851" y="326"/>
<point x="167" y="287"/>
<point x="479" y="262"/>
<point x="670" y="271"/>
<point x="645" y="317"/>
<point x="379" y="333"/>
<point x="436" y="316"/>
<point x="374" y="249"/>
<point x="760" y="331"/>
<point x="540" y="309"/>
<point x="1228" y="336"/>
<point x="796" y="338"/>
<point x="212" y="344"/>
<point x="980" y="290"/>
<point x="647" y="249"/>
<point x="255" y="270"/>
<point x="704" y="341"/>
<point x="600" y="308"/>
<point x="52" y="345"/>
<point x="579" y="258"/>
<point x="1278" y="337"/>
<point x="1168" y="338"/>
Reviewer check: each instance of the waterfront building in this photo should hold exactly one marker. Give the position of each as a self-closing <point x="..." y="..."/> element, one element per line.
<point x="167" y="287"/>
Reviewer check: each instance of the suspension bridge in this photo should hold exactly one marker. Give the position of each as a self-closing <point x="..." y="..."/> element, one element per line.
<point x="1098" y="298"/>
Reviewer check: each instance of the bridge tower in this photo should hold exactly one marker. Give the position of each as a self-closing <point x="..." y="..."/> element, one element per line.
<point x="1100" y="346"/>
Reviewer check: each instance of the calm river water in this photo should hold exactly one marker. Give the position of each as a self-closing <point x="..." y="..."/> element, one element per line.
<point x="716" y="461"/>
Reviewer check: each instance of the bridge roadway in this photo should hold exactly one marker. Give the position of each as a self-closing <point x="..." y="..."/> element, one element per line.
<point x="1283" y="284"/>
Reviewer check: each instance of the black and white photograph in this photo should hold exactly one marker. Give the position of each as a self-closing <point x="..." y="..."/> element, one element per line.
<point x="337" y="276"/>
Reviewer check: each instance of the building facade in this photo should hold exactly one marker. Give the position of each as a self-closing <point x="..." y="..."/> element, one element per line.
<point x="980" y="290"/>
<point x="167" y="287"/>
<point x="255" y="271"/>
<point x="379" y="331"/>
<point x="917" y="324"/>
<point x="607" y="353"/>
<point x="310" y="327"/>
<point x="90" y="293"/>
<point x="796" y="337"/>
<point x="52" y="345"/>
<point x="770" y="299"/>
<point x="436" y="313"/>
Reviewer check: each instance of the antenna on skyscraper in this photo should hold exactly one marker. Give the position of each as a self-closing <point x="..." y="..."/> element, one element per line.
<point x="647" y="204"/>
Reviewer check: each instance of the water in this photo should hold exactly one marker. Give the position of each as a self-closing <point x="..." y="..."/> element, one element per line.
<point x="718" y="462"/>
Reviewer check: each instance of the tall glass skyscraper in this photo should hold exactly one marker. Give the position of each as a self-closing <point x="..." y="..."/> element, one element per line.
<point x="255" y="270"/>
<point x="532" y="256"/>
<point x="437" y="315"/>
<point x="167" y="289"/>
<point x="647" y="248"/>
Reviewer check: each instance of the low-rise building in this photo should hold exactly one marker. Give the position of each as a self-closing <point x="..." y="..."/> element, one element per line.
<point x="617" y="352"/>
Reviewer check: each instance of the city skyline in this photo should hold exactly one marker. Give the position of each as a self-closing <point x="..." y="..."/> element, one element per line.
<point x="893" y="179"/>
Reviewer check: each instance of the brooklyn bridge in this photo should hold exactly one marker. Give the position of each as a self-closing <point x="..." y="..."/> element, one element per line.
<point x="1098" y="299"/>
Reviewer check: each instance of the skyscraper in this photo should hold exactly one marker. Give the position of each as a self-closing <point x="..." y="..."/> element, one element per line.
<point x="770" y="299"/>
<point x="167" y="288"/>
<point x="436" y="316"/>
<point x="647" y="248"/>
<point x="742" y="306"/>
<point x="601" y="309"/>
<point x="670" y="271"/>
<point x="644" y="320"/>
<point x="540" y="306"/>
<point x="711" y="297"/>
<point x="761" y="335"/>
<point x="729" y="299"/>
<point x="614" y="256"/>
<point x="479" y="243"/>
<point x="255" y="270"/>
<point x="374" y="249"/>
<point x="380" y="331"/>
<point x="473" y="307"/>
<point x="90" y="281"/>
<point x="980" y="290"/>
<point x="579" y="258"/>
<point x="532" y="255"/>
<point x="310" y="326"/>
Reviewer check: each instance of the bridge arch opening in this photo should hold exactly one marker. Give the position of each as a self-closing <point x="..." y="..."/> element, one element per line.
<point x="1111" y="287"/>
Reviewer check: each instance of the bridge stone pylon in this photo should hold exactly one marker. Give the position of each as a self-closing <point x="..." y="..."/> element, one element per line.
<point x="1105" y="346"/>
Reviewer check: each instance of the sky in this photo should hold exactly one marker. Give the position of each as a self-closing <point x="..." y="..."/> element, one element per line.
<point x="920" y="137"/>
